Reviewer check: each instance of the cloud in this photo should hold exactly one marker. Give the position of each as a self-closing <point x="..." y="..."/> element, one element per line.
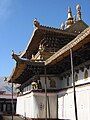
<point x="5" y="8"/>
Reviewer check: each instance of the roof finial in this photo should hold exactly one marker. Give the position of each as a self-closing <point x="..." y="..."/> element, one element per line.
<point x="74" y="19"/>
<point x="69" y="21"/>
<point x="78" y="8"/>
<point x="69" y="12"/>
<point x="12" y="52"/>
<point x="62" y="26"/>
<point x="36" y="23"/>
<point x="5" y="78"/>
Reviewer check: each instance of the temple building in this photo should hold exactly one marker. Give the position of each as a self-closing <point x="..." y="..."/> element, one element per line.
<point x="54" y="71"/>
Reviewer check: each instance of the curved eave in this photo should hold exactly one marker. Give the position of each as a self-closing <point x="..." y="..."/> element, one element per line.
<point x="75" y="44"/>
<point x="37" y="36"/>
<point x="17" y="71"/>
<point x="21" y="67"/>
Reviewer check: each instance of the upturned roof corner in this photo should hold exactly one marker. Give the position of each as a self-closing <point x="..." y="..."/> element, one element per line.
<point x="36" y="23"/>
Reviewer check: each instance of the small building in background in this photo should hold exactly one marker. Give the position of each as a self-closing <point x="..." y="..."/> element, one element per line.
<point x="6" y="97"/>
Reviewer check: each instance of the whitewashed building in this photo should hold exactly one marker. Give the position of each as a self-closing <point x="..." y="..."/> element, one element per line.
<point x="54" y="72"/>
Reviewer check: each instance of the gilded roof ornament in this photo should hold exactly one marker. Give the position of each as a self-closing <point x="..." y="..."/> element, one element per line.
<point x="62" y="26"/>
<point x="78" y="8"/>
<point x="36" y="23"/>
<point x="69" y="12"/>
<point x="5" y="78"/>
<point x="69" y="21"/>
<point x="74" y="19"/>
<point x="15" y="57"/>
<point x="12" y="52"/>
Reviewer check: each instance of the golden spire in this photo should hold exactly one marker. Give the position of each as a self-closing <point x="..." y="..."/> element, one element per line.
<point x="78" y="8"/>
<point x="69" y="21"/>
<point x="69" y="13"/>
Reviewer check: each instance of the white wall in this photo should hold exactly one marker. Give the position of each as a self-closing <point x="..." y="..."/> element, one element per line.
<point x="66" y="104"/>
<point x="33" y="105"/>
<point x="20" y="106"/>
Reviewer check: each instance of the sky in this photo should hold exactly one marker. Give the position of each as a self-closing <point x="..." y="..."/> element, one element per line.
<point x="16" y="23"/>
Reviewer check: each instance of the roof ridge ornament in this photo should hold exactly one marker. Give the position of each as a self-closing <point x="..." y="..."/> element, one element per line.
<point x="15" y="56"/>
<point x="36" y="23"/>
<point x="78" y="8"/>
<point x="74" y="18"/>
<point x="69" y="12"/>
<point x="69" y="20"/>
<point x="62" y="26"/>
